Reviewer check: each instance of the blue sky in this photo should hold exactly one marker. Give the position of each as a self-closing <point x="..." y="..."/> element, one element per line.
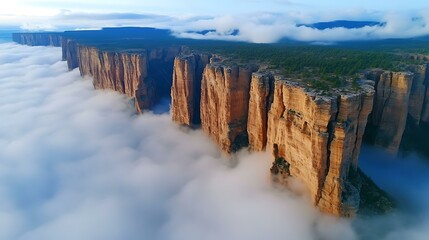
<point x="257" y="20"/>
<point x="46" y="7"/>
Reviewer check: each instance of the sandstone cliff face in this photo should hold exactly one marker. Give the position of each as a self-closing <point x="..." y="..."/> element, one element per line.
<point x="260" y="93"/>
<point x="143" y="75"/>
<point x="341" y="190"/>
<point x="186" y="88"/>
<point x="391" y="104"/>
<point x="121" y="72"/>
<point x="225" y="103"/>
<point x="317" y="139"/>
<point x="314" y="138"/>
<point x="38" y="39"/>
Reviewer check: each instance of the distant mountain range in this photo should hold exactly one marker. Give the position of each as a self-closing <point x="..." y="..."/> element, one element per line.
<point x="318" y="25"/>
<point x="342" y="24"/>
<point x="233" y="32"/>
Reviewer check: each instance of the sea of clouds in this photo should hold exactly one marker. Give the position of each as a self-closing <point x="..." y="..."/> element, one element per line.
<point x="78" y="163"/>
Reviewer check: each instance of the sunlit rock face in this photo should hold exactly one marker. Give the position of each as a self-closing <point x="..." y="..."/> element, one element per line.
<point x="38" y="39"/>
<point x="186" y="88"/>
<point x="313" y="137"/>
<point x="260" y="101"/>
<point x="144" y="75"/>
<point x="318" y="139"/>
<point x="225" y="103"/>
<point x="122" y="72"/>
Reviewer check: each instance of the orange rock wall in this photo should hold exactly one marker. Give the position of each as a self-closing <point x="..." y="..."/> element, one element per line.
<point x="224" y="104"/>
<point x="319" y="137"/>
<point x="186" y="88"/>
<point x="142" y="75"/>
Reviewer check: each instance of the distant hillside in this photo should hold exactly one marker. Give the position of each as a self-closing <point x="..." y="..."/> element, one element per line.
<point x="119" y="34"/>
<point x="233" y="32"/>
<point x="342" y="24"/>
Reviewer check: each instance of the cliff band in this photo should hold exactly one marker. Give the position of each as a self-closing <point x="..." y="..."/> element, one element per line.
<point x="314" y="136"/>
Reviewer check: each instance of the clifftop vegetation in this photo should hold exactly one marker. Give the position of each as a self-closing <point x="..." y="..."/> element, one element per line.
<point x="321" y="67"/>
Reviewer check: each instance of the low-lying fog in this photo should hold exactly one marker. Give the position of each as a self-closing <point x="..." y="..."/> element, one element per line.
<point x="76" y="163"/>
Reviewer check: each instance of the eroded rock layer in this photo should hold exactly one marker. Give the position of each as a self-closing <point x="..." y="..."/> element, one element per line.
<point x="38" y="39"/>
<point x="313" y="137"/>
<point x="224" y="104"/>
<point x="317" y="139"/>
<point x="144" y="75"/>
<point x="391" y="106"/>
<point x="261" y="88"/>
<point x="186" y="88"/>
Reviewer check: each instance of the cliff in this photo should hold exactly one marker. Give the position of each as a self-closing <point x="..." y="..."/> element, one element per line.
<point x="70" y="53"/>
<point x="391" y="107"/>
<point x="186" y="88"/>
<point x="317" y="139"/>
<point x="224" y="104"/>
<point x="121" y="72"/>
<point x="144" y="75"/>
<point x="38" y="39"/>
<point x="417" y="92"/>
<point x="421" y="86"/>
<point x="425" y="110"/>
<point x="261" y="88"/>
<point x="314" y="136"/>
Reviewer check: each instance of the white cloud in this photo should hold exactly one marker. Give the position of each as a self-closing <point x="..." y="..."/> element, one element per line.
<point x="76" y="163"/>
<point x="258" y="21"/>
<point x="406" y="178"/>
<point x="271" y="27"/>
<point x="258" y="26"/>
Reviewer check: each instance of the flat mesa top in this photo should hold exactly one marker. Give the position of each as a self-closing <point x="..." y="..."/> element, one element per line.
<point x="319" y="67"/>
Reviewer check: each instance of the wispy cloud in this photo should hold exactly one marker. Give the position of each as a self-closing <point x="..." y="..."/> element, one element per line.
<point x="264" y="27"/>
<point x="271" y="27"/>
